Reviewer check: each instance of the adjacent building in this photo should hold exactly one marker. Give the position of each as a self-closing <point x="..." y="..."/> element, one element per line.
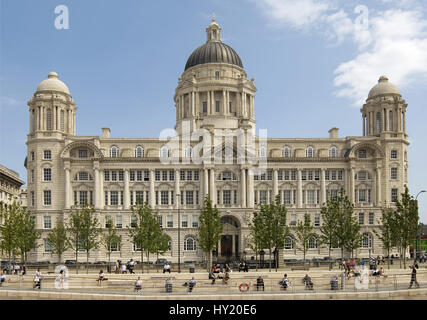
<point x="10" y="186"/>
<point x="213" y="93"/>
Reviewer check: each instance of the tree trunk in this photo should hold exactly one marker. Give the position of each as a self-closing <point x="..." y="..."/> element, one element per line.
<point x="209" y="266"/>
<point x="148" y="260"/>
<point x="77" y="261"/>
<point x="157" y="257"/>
<point x="142" y="261"/>
<point x="87" y="262"/>
<point x="404" y="257"/>
<point x="388" y="259"/>
<point x="329" y="260"/>
<point x="270" y="260"/>
<point x="109" y="261"/>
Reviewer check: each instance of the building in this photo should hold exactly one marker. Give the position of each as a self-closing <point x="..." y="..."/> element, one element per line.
<point x="10" y="186"/>
<point x="213" y="93"/>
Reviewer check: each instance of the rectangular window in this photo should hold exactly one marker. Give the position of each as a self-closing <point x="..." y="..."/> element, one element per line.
<point x="184" y="221"/>
<point x="106" y="175"/>
<point x="361" y="218"/>
<point x="119" y="222"/>
<point x="157" y="197"/>
<point x="286" y="175"/>
<point x="310" y="175"/>
<point x="114" y="175"/>
<point x="33" y="200"/>
<point x="146" y="175"/>
<point x="106" y="198"/>
<point x="340" y="175"/>
<point x="47" y="154"/>
<point x="83" y="198"/>
<point x="317" y="220"/>
<point x="393" y="154"/>
<point x="139" y="175"/>
<point x="217" y="75"/>
<point x="287" y="196"/>
<point x="263" y="196"/>
<point x="164" y="197"/>
<point x="303" y="175"/>
<point x="280" y="175"/>
<point x="182" y="175"/>
<point x="393" y="173"/>
<point x="197" y="197"/>
<point x="317" y="175"/>
<point x="333" y="175"/>
<point x="83" y="154"/>
<point x="133" y="221"/>
<point x="362" y="195"/>
<point x="205" y="107"/>
<point x="47" y="199"/>
<point x="83" y="176"/>
<point x="293" y="219"/>
<point x="47" y="222"/>
<point x="217" y="106"/>
<point x="132" y="175"/>
<point x="393" y="195"/>
<point x="160" y="221"/>
<point x="196" y="175"/>
<point x="121" y="175"/>
<point x="32" y="176"/>
<point x="195" y="221"/>
<point x="269" y="175"/>
<point x="310" y="196"/>
<point x="139" y="197"/>
<point x="114" y="198"/>
<point x="47" y="174"/>
<point x="47" y="246"/>
<point x="334" y="195"/>
<point x="371" y="218"/>
<point x="164" y="175"/>
<point x="362" y="154"/>
<point x="189" y="175"/>
<point x="33" y="156"/>
<point x="169" y="222"/>
<point x="172" y="197"/>
<point x="172" y="175"/>
<point x="157" y="175"/>
<point x="226" y="196"/>
<point x="218" y="196"/>
<point x="121" y="197"/>
<point x="189" y="197"/>
<point x="327" y="175"/>
<point x="294" y="175"/>
<point x="235" y="196"/>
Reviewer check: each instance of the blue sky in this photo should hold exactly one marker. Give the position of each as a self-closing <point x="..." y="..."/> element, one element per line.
<point x="313" y="61"/>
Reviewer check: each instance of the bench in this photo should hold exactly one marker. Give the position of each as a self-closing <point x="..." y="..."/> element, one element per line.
<point x="121" y="284"/>
<point x="300" y="268"/>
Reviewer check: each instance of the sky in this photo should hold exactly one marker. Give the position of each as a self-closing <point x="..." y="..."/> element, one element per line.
<point x="313" y="61"/>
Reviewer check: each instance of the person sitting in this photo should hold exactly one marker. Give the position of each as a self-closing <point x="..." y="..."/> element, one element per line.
<point x="382" y="274"/>
<point x="138" y="285"/>
<point x="240" y="266"/>
<point x="220" y="275"/>
<point x="307" y="282"/>
<point x="285" y="283"/>
<point x="226" y="278"/>
<point x="376" y="273"/>
<point x="2" y="279"/>
<point x="215" y="269"/>
<point x="245" y="267"/>
<point x="227" y="268"/>
<point x="191" y="284"/>
<point x="212" y="277"/>
<point x="167" y="268"/>
<point x="100" y="277"/>
<point x="259" y="283"/>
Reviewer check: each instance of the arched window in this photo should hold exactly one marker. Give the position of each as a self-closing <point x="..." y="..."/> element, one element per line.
<point x="286" y="152"/>
<point x="312" y="242"/>
<point x="390" y="121"/>
<point x="379" y="123"/>
<point x="49" y="119"/>
<point x="188" y="152"/>
<point x="139" y="152"/>
<point x="164" y="152"/>
<point x="114" y="152"/>
<point x="333" y="152"/>
<point x="289" y="243"/>
<point x="189" y="244"/>
<point x="262" y="152"/>
<point x="309" y="152"/>
<point x="367" y="241"/>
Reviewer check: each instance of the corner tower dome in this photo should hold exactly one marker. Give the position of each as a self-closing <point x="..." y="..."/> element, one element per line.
<point x="52" y="83"/>
<point x="383" y="87"/>
<point x="213" y="51"/>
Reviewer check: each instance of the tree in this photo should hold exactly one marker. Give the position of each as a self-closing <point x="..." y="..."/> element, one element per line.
<point x="256" y="238"/>
<point x="407" y="219"/>
<point x="9" y="215"/>
<point x="329" y="214"/>
<point x="111" y="239"/>
<point x="273" y="226"/>
<point x="348" y="229"/>
<point x="387" y="231"/>
<point x="161" y="243"/>
<point x="75" y="233"/>
<point x="27" y="235"/>
<point x="141" y="230"/>
<point x="303" y="232"/>
<point x="57" y="239"/>
<point x="210" y="229"/>
<point x="90" y="231"/>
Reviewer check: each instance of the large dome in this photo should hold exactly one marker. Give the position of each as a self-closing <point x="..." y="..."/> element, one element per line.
<point x="52" y="83"/>
<point x="383" y="87"/>
<point x="213" y="52"/>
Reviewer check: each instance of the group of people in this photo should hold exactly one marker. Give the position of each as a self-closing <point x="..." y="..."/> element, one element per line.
<point x="218" y="272"/>
<point x="123" y="268"/>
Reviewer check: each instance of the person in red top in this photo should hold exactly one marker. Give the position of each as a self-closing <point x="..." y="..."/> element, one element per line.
<point x="214" y="269"/>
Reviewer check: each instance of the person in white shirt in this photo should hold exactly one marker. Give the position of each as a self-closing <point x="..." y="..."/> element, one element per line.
<point x="124" y="268"/>
<point x="166" y="268"/>
<point x="138" y="284"/>
<point x="38" y="279"/>
<point x="2" y="279"/>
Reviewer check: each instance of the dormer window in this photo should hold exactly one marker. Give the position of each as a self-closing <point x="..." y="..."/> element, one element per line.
<point x="362" y="154"/>
<point x="83" y="154"/>
<point x="114" y="152"/>
<point x="217" y="75"/>
<point x="214" y="34"/>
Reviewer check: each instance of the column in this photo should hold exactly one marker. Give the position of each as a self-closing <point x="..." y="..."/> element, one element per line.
<point x="193" y="103"/>
<point x="208" y="102"/>
<point x="101" y="190"/>
<point x="243" y="188"/>
<point x="351" y="197"/>
<point x="212" y="186"/>
<point x="299" y="189"/>
<point x="126" y="197"/>
<point x="177" y="201"/>
<point x="250" y="195"/>
<point x="228" y="102"/>
<point x="67" y="188"/>
<point x="152" y="194"/>
<point x="205" y="182"/>
<point x="323" y="187"/>
<point x="378" y="185"/>
<point x="275" y="185"/>
<point x="404" y="121"/>
<point x="224" y="102"/>
<point x="213" y="102"/>
<point x="96" y="191"/>
<point x="364" y="125"/>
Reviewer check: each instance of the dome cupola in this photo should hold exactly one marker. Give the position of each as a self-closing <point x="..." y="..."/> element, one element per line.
<point x="52" y="83"/>
<point x="384" y="87"/>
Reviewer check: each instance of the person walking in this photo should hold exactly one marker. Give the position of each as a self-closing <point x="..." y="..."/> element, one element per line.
<point x="2" y="279"/>
<point x="131" y="266"/>
<point x="413" y="277"/>
<point x="38" y="279"/>
<point x="138" y="285"/>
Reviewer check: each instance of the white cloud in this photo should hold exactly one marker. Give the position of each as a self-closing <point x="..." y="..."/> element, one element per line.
<point x="391" y="42"/>
<point x="10" y="102"/>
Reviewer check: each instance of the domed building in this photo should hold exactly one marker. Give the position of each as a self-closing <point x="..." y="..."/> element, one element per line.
<point x="215" y="153"/>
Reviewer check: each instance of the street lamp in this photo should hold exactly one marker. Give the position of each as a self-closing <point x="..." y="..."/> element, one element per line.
<point x="416" y="236"/>
<point x="179" y="233"/>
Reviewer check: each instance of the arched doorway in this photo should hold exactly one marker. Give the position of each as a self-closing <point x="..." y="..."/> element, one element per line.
<point x="229" y="246"/>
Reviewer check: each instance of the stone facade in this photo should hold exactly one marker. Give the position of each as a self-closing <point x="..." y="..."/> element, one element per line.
<point x="10" y="185"/>
<point x="112" y="173"/>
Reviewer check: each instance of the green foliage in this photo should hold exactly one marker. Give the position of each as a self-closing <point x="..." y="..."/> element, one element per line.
<point x="27" y="235"/>
<point x="110" y="238"/>
<point x="303" y="232"/>
<point x="210" y="229"/>
<point x="58" y="240"/>
<point x="388" y="230"/>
